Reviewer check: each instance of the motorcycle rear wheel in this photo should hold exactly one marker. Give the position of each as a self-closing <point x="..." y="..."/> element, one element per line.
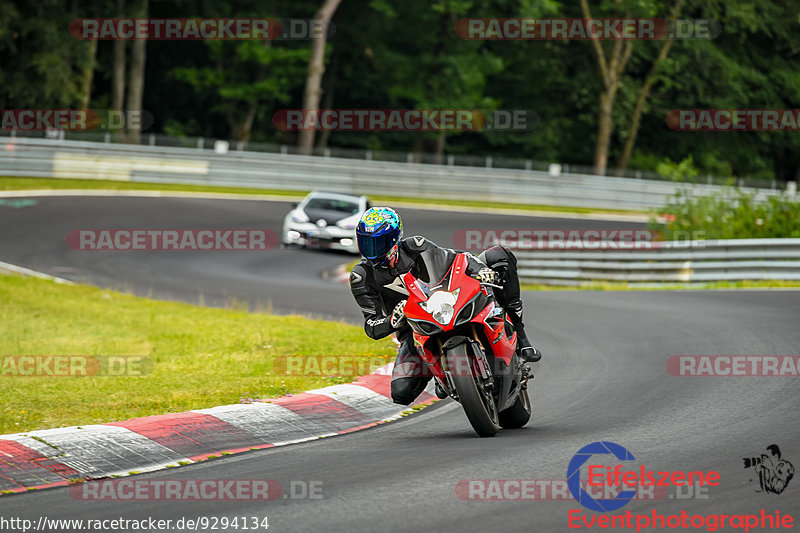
<point x="478" y="403"/>
<point x="518" y="414"/>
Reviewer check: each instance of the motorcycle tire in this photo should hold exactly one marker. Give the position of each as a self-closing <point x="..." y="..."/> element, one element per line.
<point x="478" y="404"/>
<point x="518" y="414"/>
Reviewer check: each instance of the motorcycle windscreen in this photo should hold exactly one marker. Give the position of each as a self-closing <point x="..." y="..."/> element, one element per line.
<point x="435" y="265"/>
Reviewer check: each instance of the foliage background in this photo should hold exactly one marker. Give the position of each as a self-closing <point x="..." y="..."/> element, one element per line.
<point x="405" y="54"/>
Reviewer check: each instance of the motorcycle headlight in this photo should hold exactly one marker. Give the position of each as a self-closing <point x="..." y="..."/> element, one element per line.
<point x="441" y="305"/>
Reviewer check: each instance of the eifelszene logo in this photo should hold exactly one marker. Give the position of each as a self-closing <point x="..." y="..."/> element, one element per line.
<point x="602" y="475"/>
<point x="574" y="476"/>
<point x="774" y="473"/>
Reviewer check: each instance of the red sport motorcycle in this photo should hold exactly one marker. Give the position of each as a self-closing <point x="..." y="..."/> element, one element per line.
<point x="469" y="346"/>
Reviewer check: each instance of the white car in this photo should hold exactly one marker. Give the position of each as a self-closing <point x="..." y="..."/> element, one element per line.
<point x="325" y="220"/>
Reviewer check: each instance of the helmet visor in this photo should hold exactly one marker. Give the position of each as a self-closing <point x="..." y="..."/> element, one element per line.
<point x="375" y="246"/>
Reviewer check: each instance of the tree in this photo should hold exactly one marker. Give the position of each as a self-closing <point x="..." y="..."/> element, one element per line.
<point x="42" y="65"/>
<point x="433" y="68"/>
<point x="136" y="75"/>
<point x="87" y="74"/>
<point x="243" y="77"/>
<point x="316" y="68"/>
<point x="644" y="92"/>
<point x="118" y="67"/>
<point x="611" y="68"/>
<point x="406" y="55"/>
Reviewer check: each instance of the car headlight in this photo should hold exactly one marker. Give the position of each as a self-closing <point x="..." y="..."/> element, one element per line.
<point x="299" y="216"/>
<point x="441" y="305"/>
<point x="349" y="222"/>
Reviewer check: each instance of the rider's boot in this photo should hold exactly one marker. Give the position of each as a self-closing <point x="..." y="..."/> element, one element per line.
<point x="528" y="352"/>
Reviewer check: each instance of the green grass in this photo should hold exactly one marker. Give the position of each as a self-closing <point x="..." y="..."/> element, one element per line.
<point x="20" y="184"/>
<point x="624" y="286"/>
<point x="201" y="357"/>
<point x="13" y="184"/>
<point x="500" y="205"/>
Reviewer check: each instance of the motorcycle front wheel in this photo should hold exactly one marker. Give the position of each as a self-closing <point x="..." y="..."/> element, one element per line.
<point x="478" y="403"/>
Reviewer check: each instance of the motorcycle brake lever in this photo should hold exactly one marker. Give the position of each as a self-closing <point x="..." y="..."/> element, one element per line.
<point x="492" y="285"/>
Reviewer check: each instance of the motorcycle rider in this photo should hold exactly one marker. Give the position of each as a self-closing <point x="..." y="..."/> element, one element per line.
<point x="376" y="284"/>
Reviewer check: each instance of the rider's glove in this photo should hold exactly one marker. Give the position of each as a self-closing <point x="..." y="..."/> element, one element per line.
<point x="487" y="275"/>
<point x="397" y="314"/>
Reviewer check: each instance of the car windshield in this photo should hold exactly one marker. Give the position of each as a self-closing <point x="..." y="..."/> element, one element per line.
<point x="333" y="204"/>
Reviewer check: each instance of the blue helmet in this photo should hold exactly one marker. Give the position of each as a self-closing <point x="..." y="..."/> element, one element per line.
<point x="377" y="233"/>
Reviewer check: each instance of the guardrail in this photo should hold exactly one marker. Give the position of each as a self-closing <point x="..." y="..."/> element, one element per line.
<point x="667" y="262"/>
<point x="143" y="163"/>
<point x="449" y="159"/>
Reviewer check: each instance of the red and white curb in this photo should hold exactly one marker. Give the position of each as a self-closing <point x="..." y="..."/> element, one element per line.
<point x="342" y="274"/>
<point x="52" y="457"/>
<point x="15" y="269"/>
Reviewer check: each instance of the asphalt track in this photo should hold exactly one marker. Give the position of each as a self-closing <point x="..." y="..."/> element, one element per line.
<point x="286" y="281"/>
<point x="603" y="378"/>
